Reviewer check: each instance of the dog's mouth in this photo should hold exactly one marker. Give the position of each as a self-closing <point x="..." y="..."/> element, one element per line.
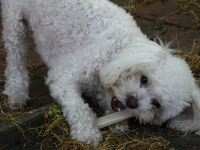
<point x="116" y="104"/>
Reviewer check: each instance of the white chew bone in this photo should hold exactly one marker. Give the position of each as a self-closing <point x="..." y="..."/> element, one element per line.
<point x="113" y="118"/>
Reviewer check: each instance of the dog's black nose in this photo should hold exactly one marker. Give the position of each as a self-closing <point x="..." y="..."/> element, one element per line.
<point x="132" y="102"/>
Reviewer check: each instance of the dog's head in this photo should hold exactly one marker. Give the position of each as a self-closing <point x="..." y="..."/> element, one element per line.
<point x="153" y="84"/>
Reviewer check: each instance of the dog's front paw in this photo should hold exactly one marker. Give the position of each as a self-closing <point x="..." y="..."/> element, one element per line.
<point x="119" y="127"/>
<point x="13" y="104"/>
<point x="87" y="135"/>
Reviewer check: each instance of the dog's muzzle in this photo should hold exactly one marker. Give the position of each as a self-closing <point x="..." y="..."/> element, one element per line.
<point x="132" y="102"/>
<point x="118" y="106"/>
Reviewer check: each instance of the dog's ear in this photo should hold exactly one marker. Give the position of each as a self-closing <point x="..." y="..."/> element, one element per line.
<point x="189" y="119"/>
<point x="132" y="59"/>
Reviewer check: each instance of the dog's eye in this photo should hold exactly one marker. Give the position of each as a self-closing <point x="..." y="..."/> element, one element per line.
<point x="143" y="79"/>
<point x="156" y="103"/>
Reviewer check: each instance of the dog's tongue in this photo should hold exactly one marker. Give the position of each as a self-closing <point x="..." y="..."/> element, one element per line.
<point x="116" y="104"/>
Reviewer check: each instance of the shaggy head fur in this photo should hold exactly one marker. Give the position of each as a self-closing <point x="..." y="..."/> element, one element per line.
<point x="154" y="85"/>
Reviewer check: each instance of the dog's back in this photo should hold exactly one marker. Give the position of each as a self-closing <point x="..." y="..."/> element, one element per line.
<point x="65" y="26"/>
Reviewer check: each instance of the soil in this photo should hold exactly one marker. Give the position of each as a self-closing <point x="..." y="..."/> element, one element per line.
<point x="172" y="20"/>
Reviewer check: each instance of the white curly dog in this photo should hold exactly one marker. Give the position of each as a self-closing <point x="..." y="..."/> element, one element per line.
<point x="95" y="47"/>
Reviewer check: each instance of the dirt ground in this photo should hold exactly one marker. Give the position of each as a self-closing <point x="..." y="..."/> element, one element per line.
<point x="172" y="20"/>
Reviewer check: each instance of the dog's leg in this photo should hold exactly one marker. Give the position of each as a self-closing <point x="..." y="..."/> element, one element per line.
<point x="120" y="127"/>
<point x="16" y="84"/>
<point x="80" y="117"/>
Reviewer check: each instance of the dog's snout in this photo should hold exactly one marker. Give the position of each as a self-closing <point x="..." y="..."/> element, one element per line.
<point x="132" y="102"/>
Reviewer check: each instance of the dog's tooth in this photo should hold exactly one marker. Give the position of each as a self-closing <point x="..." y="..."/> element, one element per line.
<point x="119" y="109"/>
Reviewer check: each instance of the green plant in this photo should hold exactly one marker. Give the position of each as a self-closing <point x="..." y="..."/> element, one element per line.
<point x="55" y="112"/>
<point x="28" y="101"/>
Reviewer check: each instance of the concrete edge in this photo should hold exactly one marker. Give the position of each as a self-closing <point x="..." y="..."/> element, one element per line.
<point x="11" y="131"/>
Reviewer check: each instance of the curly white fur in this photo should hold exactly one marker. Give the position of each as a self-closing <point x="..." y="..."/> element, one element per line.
<point x="95" y="47"/>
